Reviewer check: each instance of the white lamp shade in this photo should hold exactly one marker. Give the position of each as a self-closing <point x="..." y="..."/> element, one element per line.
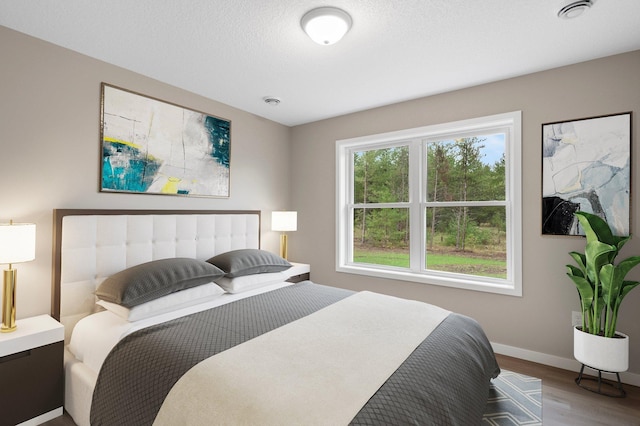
<point x="284" y="221"/>
<point x="326" y="25"/>
<point x="17" y="242"/>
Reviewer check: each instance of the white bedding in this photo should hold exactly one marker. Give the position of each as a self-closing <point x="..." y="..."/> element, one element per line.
<point x="95" y="335"/>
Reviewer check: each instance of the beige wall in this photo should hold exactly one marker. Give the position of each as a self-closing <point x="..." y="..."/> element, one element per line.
<point x="540" y="321"/>
<point x="50" y="150"/>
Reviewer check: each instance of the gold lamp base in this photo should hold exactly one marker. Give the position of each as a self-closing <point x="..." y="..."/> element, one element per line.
<point x="283" y="246"/>
<point x="9" y="301"/>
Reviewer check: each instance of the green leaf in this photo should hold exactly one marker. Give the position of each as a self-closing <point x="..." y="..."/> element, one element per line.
<point x="627" y="286"/>
<point x="572" y="270"/>
<point x="621" y="241"/>
<point x="628" y="264"/>
<point x="612" y="280"/>
<point x="580" y="259"/>
<point x="595" y="228"/>
<point x="596" y="255"/>
<point x="611" y="283"/>
<point x="585" y="290"/>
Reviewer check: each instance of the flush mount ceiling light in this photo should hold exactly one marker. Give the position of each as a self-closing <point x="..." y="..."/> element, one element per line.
<point x="574" y="9"/>
<point x="326" y="25"/>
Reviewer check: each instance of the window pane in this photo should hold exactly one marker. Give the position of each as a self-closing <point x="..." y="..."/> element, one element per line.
<point x="381" y="236"/>
<point x="467" y="240"/>
<point x="466" y="169"/>
<point x="381" y="175"/>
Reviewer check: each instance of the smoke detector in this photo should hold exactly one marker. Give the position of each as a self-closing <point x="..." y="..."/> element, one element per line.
<point x="574" y="9"/>
<point x="271" y="100"/>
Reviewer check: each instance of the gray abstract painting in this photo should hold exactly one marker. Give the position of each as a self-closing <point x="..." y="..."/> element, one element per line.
<point x="586" y="166"/>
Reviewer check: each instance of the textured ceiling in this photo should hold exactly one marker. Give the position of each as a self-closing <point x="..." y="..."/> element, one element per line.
<point x="239" y="51"/>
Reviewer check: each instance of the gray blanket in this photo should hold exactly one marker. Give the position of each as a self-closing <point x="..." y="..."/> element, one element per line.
<point x="445" y="381"/>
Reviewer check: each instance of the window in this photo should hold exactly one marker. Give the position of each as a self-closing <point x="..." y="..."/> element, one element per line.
<point x="437" y="204"/>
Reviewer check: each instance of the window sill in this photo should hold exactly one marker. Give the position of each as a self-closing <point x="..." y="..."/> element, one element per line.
<point x="489" y="286"/>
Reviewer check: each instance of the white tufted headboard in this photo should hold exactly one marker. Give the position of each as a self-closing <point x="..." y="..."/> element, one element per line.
<point x="90" y="245"/>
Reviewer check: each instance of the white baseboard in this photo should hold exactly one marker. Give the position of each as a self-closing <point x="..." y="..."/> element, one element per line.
<point x="555" y="361"/>
<point x="43" y="418"/>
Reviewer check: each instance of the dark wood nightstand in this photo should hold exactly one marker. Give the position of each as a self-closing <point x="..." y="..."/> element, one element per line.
<point x="31" y="371"/>
<point x="298" y="272"/>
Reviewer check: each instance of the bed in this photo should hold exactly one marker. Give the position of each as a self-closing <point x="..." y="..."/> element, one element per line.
<point x="241" y="344"/>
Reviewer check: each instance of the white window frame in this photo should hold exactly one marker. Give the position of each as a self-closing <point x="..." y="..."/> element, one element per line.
<point x="511" y="124"/>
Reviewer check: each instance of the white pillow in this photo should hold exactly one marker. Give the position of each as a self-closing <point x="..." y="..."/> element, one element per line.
<point x="250" y="282"/>
<point x="180" y="299"/>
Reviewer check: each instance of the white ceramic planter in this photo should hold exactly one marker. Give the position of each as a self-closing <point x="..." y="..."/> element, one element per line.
<point x="601" y="353"/>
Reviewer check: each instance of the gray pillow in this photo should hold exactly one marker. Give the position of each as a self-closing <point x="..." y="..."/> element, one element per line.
<point x="148" y="281"/>
<point x="237" y="263"/>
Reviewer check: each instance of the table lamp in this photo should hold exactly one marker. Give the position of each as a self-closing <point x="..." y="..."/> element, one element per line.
<point x="17" y="244"/>
<point x="283" y="222"/>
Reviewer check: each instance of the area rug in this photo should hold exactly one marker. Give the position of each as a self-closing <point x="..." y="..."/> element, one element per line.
<point x="514" y="399"/>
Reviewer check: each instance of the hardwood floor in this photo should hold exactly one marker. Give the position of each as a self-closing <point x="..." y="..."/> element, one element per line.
<point x="563" y="402"/>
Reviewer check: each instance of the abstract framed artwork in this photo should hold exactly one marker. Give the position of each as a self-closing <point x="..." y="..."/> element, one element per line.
<point x="586" y="166"/>
<point x="154" y="147"/>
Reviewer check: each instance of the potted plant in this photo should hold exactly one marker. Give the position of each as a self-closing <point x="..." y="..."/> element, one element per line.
<point x="602" y="286"/>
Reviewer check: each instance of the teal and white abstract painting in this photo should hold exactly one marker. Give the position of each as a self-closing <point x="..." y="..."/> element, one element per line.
<point x="154" y="147"/>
